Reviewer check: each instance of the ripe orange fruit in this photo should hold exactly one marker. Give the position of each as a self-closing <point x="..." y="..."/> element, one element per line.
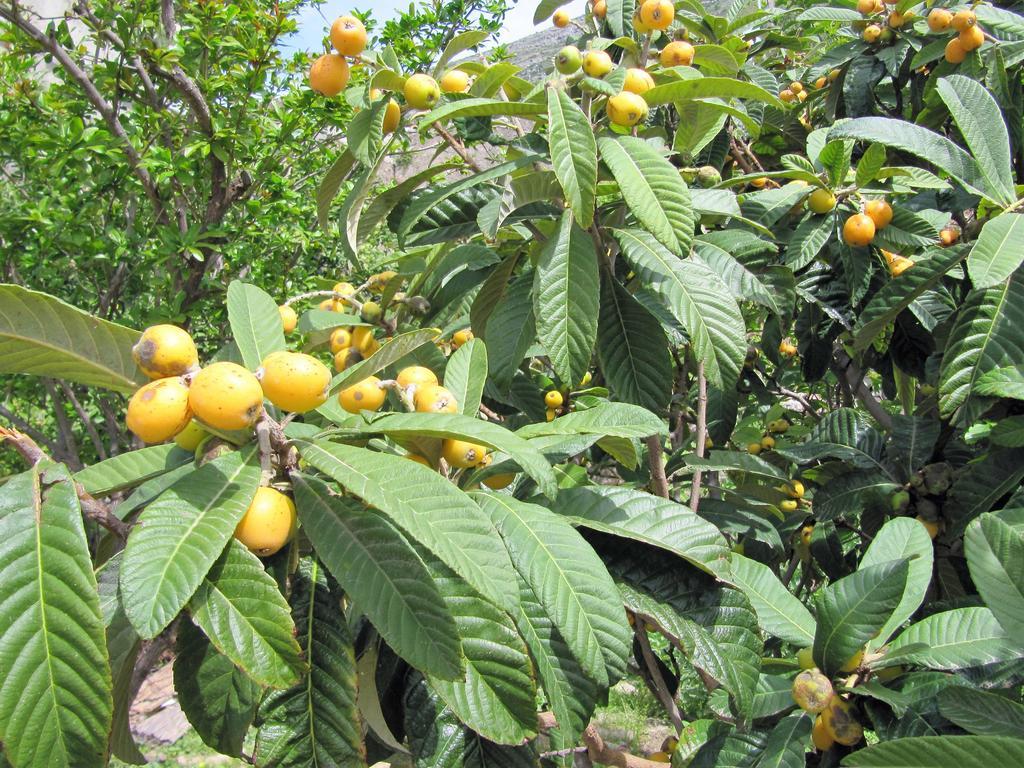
<point x="637" y="81"/>
<point x="329" y="74"/>
<point x="416" y="375"/>
<point x="949" y="235"/>
<point x="363" y="340"/>
<point x="289" y="318"/>
<point x="159" y="410"/>
<point x="327" y="305"/>
<point x="955" y="51"/>
<point x="638" y="23"/>
<point x="165" y="350"/>
<point x="859" y="230"/>
<point x="455" y="81"/>
<point x="796" y="86"/>
<point x="626" y="109"/>
<point x="964" y="19"/>
<point x="657" y="14"/>
<point x="348" y="36"/>
<point x="678" y="53"/>
<point x="787" y="95"/>
<point x="600" y="9"/>
<point x="880" y="212"/>
<point x="939" y="19"/>
<point x="341" y="338"/>
<point x="365" y="395"/>
<point x="293" y="381"/>
<point x="821" y="82"/>
<point x="972" y="38"/>
<point x="561" y="18"/>
<point x="462" y="454"/>
<point x="226" y="396"/>
<point x="435" y="399"/>
<point x="865" y="7"/>
<point x="268" y="524"/>
<point x="461" y="337"/>
<point x="553" y="399"/>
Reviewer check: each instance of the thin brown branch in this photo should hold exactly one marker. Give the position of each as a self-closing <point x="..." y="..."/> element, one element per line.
<point x="69" y="446"/>
<point x="702" y="428"/>
<point x="655" y="460"/>
<point x="851" y="373"/>
<point x="20" y="424"/>
<point x="597" y="750"/>
<point x="658" y="681"/>
<point x="90" y="428"/>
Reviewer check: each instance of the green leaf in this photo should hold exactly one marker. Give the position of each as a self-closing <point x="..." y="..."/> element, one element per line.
<point x="255" y="323"/>
<point x="787" y="743"/>
<point x="569" y="580"/>
<point x="479" y="107"/>
<point x="995" y="557"/>
<point x="704" y="87"/>
<point x="55" y="688"/>
<point x="618" y="15"/>
<point x="545" y="8"/>
<point x="573" y="154"/>
<point x="698" y="298"/>
<point x="899" y="293"/>
<point x="606" y="420"/>
<point x="998" y="251"/>
<point x="384" y="203"/>
<point x="351" y="211"/>
<point x="1002" y="382"/>
<point x="633" y="349"/>
<point x="127" y="469"/>
<point x="428" y="507"/>
<point x="847" y="495"/>
<point x="465" y="375"/>
<point x="985" y="336"/>
<point x="647" y="518"/>
<point x="389" y="353"/>
<point x="870" y="164"/>
<point x="239" y="607"/>
<point x="982" y="713"/>
<point x="385" y="577"/>
<point x="956" y="639"/>
<point x="329" y="187"/>
<point x="565" y="299"/>
<point x="490" y="81"/>
<point x="43" y="336"/>
<point x="981" y="123"/>
<point x="980" y="484"/>
<point x="902" y="538"/>
<point x="181" y="535"/>
<point x="315" y="722"/>
<point x="735" y="461"/>
<point x="926" y="144"/>
<point x="852" y="610"/>
<point x="217" y="697"/>
<point x="652" y="188"/>
<point x="365" y="136"/>
<point x="461" y="42"/>
<point x="778" y="612"/>
<point x="744" y="284"/>
<point x="496" y="697"/>
<point x="808" y="240"/>
<point x="939" y="752"/>
<point x="511" y="330"/>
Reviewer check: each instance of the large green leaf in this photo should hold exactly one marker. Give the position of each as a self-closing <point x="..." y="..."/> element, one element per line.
<point x="43" y="336"/>
<point x="956" y="639"/>
<point x="981" y="122"/>
<point x="606" y="420"/>
<point x="181" y="535"/>
<point x="633" y="349"/>
<point x="982" y="713"/>
<point x="217" y="697"/>
<point x="573" y="154"/>
<point x="427" y="506"/>
<point x="241" y="610"/>
<point x="995" y="557"/>
<point x="653" y="190"/>
<point x="496" y="696"/>
<point x="315" y="722"/>
<point x="461" y="42"/>
<point x="985" y="336"/>
<point x="978" y="486"/>
<point x="568" y="579"/>
<point x="565" y="299"/>
<point x="479" y="107"/>
<point x="998" y="251"/>
<point x="132" y="468"/>
<point x="55" y="682"/>
<point x="385" y="202"/>
<point x="778" y="612"/>
<point x="928" y="145"/>
<point x="704" y="87"/>
<point x="381" y="572"/>
<point x="697" y="298"/>
<point x="644" y="517"/>
<point x="255" y="323"/>
<point x="787" y="743"/>
<point x="902" y="538"/>
<point x="745" y="284"/>
<point x="330" y="185"/>
<point x="852" y="610"/>
<point x="511" y="330"/>
<point x="939" y="752"/>
<point x="465" y="375"/>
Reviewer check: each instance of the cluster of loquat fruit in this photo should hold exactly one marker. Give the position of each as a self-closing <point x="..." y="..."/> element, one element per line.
<point x="834" y="719"/>
<point x="969" y="37"/>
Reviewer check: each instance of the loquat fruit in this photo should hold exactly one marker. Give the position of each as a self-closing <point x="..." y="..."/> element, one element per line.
<point x="597" y="63"/>
<point x="841" y="724"/>
<point x="678" y="53"/>
<point x="821" y="201"/>
<point x="626" y="109"/>
<point x="362" y="340"/>
<point x="268" y="524"/>
<point x="553" y="399"/>
<point x="165" y="350"/>
<point x="638" y="23"/>
<point x="795" y="489"/>
<point x="294" y="381"/>
<point x="939" y="19"/>
<point x="964" y="19"/>
<point x="657" y="14"/>
<point x="461" y="453"/>
<point x="600" y="9"/>
<point x="949" y="235"/>
<point x="955" y="52"/>
<point x="435" y="399"/>
<point x="226" y="396"/>
<point x="365" y="395"/>
<point x="767" y="443"/>
<point x="859" y="230"/>
<point x="788" y="505"/>
<point x="421" y="91"/>
<point x="932" y="526"/>
<point x="341" y="338"/>
<point x="853" y="662"/>
<point x="568" y="60"/>
<point x="821" y="82"/>
<point x="392" y="114"/>
<point x="328" y="75"/>
<point x="638" y="81"/>
<point x="812" y="691"/>
<point x="419" y="459"/>
<point x="345" y="358"/>
<point x="461" y="337"/>
<point x="497" y="482"/>
<point x="871" y="34"/>
<point x="416" y="375"/>
<point x="753" y="448"/>
<point x="820" y="736"/>
<point x="805" y="657"/>
<point x="289" y="318"/>
<point x="348" y="36"/>
<point x="190" y="437"/>
<point x="455" y="81"/>
<point x="971" y="38"/>
<point x="561" y="18"/>
<point x="787" y="95"/>
<point x="880" y="212"/>
<point x="159" y="410"/>
<point x="865" y="7"/>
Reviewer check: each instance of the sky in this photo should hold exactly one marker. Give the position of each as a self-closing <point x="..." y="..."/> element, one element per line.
<point x="313" y="22"/>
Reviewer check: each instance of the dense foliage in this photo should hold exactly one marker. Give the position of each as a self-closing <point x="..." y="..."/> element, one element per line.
<point x="697" y="357"/>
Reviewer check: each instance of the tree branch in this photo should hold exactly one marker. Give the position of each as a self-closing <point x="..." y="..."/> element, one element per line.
<point x="702" y="428"/>
<point x="657" y="466"/>
<point x="846" y="368"/>
<point x="660" y="687"/>
<point x="597" y="750"/>
<point x="90" y="428"/>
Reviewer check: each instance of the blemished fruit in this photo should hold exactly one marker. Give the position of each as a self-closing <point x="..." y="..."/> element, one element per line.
<point x="461" y="337"/>
<point x="345" y="358"/>
<point x="820" y="736"/>
<point x="190" y="437"/>
<point x="871" y="33"/>
<point x="971" y="38"/>
<point x="805" y="657"/>
<point x="626" y="109"/>
<point x="788" y="505"/>
<point x="341" y="338"/>
<point x="421" y="91"/>
<point x="455" y="81"/>
<point x="859" y="230"/>
<point x="348" y="36"/>
<point x="678" y="53"/>
<point x="638" y="23"/>
<point x="899" y="501"/>
<point x="419" y="459"/>
<point x="497" y="482"/>
<point x="392" y="114"/>
<point x="268" y="524"/>
<point x="795" y="489"/>
<point x="939" y="19"/>
<point x="767" y="443"/>
<point x="853" y="662"/>
<point x="365" y="395"/>
<point x="657" y="14"/>
<point x="600" y="9"/>
<point x="964" y="19"/>
<point x="880" y="212"/>
<point x="787" y="95"/>
<point x="805" y="534"/>
<point x="417" y="375"/>
<point x="561" y="18"/>
<point x="159" y="410"/>
<point x="289" y="318"/>
<point x="841" y="723"/>
<point x="708" y="176"/>
<point x="226" y="396"/>
<point x="462" y="454"/>
<point x="812" y="691"/>
<point x="165" y="350"/>
<point x="670" y="744"/>
<point x="568" y="59"/>
<point x="949" y="235"/>
<point x="327" y="305"/>
<point x="932" y="526"/>
<point x="597" y="63"/>
<point x="821" y="201"/>
<point x="328" y="75"/>
<point x="294" y="381"/>
<point x="637" y="81"/>
<point x="955" y="52"/>
<point x="753" y="448"/>
<point x="435" y="399"/>
<point x="371" y="312"/>
<point x="553" y="399"/>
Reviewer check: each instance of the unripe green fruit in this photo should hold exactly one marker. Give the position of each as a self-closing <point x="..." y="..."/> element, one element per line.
<point x="899" y="501"/>
<point x="812" y="691"/>
<point x="568" y="60"/>
<point x="708" y="176"/>
<point x="805" y="656"/>
<point x="371" y="312"/>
